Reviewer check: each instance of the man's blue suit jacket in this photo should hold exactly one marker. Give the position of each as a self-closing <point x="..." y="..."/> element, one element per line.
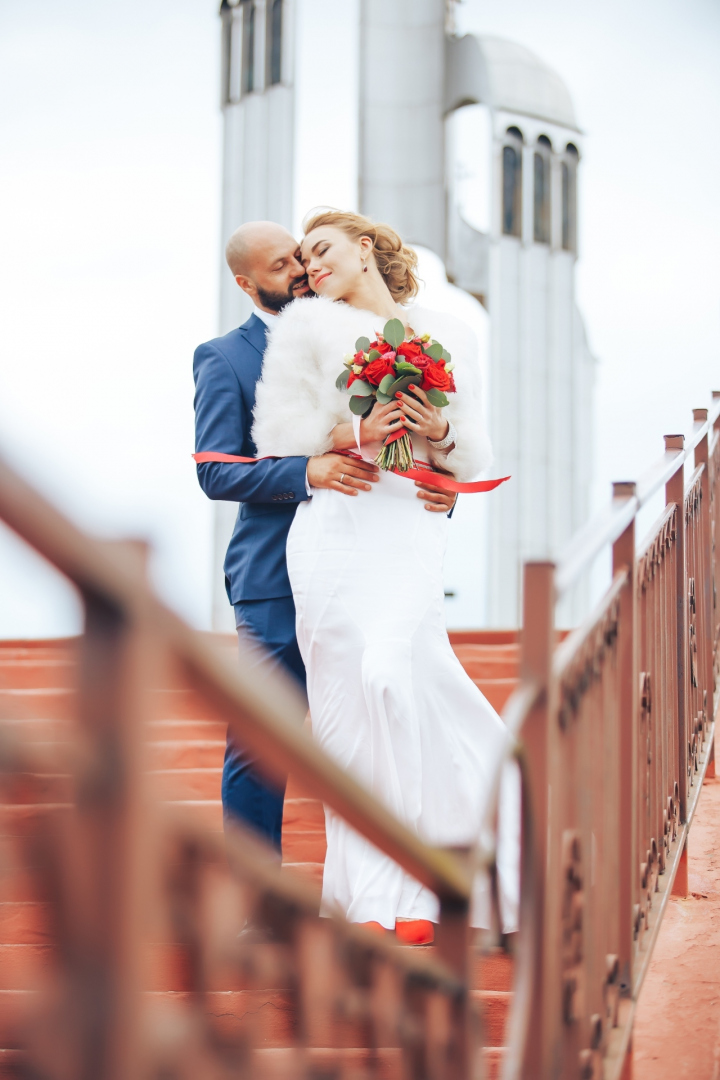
<point x="226" y="371"/>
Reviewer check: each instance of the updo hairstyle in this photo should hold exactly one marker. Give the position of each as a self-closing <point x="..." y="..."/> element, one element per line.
<point x="396" y="262"/>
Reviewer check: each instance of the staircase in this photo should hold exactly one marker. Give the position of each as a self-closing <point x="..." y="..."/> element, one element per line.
<point x="184" y="759"/>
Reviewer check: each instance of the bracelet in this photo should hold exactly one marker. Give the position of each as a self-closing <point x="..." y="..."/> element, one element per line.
<point x="449" y="439"/>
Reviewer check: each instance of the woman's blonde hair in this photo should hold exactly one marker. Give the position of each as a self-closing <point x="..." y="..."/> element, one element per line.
<point x="396" y="263"/>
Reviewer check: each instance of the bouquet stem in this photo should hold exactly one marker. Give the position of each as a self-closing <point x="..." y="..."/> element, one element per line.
<point x="396" y="453"/>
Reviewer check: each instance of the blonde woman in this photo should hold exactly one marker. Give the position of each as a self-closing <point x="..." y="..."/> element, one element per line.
<point x="389" y="700"/>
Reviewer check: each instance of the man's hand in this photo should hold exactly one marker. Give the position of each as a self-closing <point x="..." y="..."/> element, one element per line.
<point x="340" y="473"/>
<point x="438" y="501"/>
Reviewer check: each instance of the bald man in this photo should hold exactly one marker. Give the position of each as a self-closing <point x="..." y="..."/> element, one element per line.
<point x="263" y="258"/>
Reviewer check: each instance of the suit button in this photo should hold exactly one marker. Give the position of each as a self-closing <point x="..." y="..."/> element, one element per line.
<point x="291" y="494"/>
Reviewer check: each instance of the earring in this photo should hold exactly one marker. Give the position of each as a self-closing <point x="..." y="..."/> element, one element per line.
<point x="364" y="267"/>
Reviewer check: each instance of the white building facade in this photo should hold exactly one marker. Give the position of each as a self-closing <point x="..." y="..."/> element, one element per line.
<point x="478" y="162"/>
<point x="518" y="255"/>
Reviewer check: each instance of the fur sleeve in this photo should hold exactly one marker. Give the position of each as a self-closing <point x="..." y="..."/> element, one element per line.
<point x="473" y="452"/>
<point x="294" y="409"/>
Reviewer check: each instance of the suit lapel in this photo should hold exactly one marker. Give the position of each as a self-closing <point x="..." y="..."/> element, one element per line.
<point x="255" y="333"/>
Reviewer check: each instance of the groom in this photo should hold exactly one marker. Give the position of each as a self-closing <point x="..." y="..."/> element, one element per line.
<point x="263" y="258"/>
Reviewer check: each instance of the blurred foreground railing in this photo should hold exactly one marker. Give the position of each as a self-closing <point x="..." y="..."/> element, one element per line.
<point x="618" y="741"/>
<point x="614" y="731"/>
<point x="117" y="866"/>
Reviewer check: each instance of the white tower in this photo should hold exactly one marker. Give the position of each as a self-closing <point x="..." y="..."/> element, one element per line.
<point x="513" y="155"/>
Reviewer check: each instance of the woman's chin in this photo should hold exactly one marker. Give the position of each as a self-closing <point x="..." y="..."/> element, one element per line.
<point x="328" y="292"/>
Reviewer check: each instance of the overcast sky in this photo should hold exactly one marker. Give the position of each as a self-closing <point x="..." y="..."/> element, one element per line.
<point x="109" y="230"/>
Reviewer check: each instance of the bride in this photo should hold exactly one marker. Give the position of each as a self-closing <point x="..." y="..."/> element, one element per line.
<point x="389" y="700"/>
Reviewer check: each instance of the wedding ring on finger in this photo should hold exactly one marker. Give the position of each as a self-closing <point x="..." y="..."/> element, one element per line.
<point x="342" y="477"/>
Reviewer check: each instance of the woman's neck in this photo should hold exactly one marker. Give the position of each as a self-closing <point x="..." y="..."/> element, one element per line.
<point x="372" y="294"/>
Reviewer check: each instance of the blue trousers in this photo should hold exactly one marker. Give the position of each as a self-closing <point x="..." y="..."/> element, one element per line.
<point x="267" y="629"/>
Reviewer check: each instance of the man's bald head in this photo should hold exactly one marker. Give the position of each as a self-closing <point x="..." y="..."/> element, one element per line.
<point x="263" y="258"/>
<point x="251" y="240"/>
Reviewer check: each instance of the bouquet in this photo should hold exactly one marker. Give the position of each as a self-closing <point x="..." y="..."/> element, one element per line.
<point x="380" y="369"/>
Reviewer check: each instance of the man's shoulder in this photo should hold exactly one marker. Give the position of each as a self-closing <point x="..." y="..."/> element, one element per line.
<point x="249" y="335"/>
<point x="235" y="357"/>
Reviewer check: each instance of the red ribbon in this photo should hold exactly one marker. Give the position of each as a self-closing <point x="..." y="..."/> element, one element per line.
<point x="436" y="479"/>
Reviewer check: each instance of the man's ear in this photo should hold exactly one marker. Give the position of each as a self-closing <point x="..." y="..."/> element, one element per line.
<point x="247" y="285"/>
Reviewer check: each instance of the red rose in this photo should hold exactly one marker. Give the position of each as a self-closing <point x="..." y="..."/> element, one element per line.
<point x="436" y="377"/>
<point x="377" y="369"/>
<point x="352" y="377"/>
<point x="410" y="349"/>
<point x="381" y="346"/>
<point x="421" y="361"/>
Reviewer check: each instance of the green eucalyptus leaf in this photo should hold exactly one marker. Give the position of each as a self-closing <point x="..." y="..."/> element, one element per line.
<point x="360" y="388"/>
<point x="361" y="405"/>
<point x="446" y="356"/>
<point x="437" y="398"/>
<point x="400" y="386"/>
<point x="383" y="398"/>
<point x="434" y="351"/>
<point x="362" y="344"/>
<point x="385" y="382"/>
<point x="342" y="379"/>
<point x="404" y="367"/>
<point x="394" y="333"/>
<point x="373" y="354"/>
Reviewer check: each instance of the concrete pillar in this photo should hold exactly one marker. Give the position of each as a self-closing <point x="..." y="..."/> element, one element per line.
<point x="402" y="160"/>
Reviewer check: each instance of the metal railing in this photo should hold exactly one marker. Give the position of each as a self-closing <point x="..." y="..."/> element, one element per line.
<point x="614" y="731"/>
<point x="618" y="739"/>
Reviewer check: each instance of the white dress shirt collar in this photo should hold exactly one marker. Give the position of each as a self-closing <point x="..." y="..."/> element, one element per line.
<point x="267" y="316"/>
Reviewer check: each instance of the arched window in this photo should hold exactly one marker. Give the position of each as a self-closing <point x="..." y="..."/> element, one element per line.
<point x="274" y="38"/>
<point x="512" y="183"/>
<point x="568" y="197"/>
<point x="248" y="48"/>
<point x="541" y="191"/>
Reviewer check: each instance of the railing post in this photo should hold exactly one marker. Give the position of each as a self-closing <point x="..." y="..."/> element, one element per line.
<point x="538" y="636"/>
<point x="675" y="493"/>
<point x="452" y="941"/>
<point x="714" y="480"/>
<point x="112" y="829"/>
<point x="623" y="557"/>
<point x="702" y="457"/>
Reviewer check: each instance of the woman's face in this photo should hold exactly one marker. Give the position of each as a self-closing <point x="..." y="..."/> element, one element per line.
<point x="333" y="261"/>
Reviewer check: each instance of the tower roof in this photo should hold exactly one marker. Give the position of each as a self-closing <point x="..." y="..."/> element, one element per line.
<point x="504" y="75"/>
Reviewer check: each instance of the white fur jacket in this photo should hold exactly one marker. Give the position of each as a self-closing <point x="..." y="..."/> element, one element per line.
<point x="297" y="403"/>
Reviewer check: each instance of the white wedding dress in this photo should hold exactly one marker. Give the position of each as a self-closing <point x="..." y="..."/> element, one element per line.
<point x="389" y="700"/>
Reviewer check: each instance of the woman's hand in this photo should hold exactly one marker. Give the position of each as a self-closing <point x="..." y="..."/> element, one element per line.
<point x="382" y="420"/>
<point x="420" y="417"/>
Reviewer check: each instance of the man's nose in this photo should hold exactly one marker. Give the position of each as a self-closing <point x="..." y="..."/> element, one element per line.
<point x="298" y="269"/>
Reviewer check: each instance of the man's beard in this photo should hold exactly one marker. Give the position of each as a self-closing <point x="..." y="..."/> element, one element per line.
<point x="276" y="301"/>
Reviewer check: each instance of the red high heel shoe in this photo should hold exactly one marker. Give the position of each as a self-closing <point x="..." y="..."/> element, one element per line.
<point x="414" y="931"/>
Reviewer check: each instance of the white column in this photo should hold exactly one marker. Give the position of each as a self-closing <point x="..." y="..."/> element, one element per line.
<point x="402" y="161"/>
